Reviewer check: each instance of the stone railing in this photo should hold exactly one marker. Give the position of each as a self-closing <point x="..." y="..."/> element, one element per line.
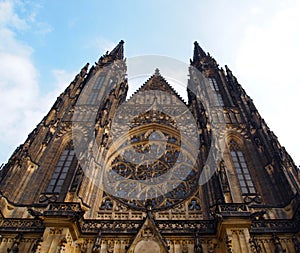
<point x="21" y="225"/>
<point x="64" y="209"/>
<point x="233" y="210"/>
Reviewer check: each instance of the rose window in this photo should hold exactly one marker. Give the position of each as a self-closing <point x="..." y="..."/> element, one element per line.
<point x="151" y="166"/>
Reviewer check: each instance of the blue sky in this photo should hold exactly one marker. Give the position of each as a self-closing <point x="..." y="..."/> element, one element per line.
<point x="43" y="44"/>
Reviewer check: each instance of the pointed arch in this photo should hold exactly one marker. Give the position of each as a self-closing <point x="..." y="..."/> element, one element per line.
<point x="216" y="94"/>
<point x="241" y="169"/>
<point x="66" y="163"/>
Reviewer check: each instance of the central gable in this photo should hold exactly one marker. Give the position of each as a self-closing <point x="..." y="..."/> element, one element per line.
<point x="158" y="83"/>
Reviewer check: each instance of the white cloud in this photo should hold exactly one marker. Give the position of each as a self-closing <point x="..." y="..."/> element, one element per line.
<point x="9" y="18"/>
<point x="18" y="83"/>
<point x="21" y="103"/>
<point x="268" y="68"/>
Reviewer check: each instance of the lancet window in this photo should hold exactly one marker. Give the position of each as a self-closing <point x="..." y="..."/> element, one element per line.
<point x="241" y="168"/>
<point x="217" y="98"/>
<point x="66" y="162"/>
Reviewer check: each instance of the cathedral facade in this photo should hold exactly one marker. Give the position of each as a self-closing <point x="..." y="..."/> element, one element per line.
<point x="103" y="173"/>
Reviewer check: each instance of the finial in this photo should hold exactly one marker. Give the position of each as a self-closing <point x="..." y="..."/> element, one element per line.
<point x="149" y="208"/>
<point x="157" y="72"/>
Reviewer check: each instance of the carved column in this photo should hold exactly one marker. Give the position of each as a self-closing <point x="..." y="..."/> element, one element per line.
<point x="53" y="237"/>
<point x="177" y="247"/>
<point x="237" y="240"/>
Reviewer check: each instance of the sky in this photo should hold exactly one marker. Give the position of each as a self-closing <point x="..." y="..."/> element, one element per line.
<point x="44" y="44"/>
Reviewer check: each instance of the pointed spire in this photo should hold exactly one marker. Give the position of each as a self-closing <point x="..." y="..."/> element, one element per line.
<point x="198" y="52"/>
<point x="204" y="62"/>
<point x="118" y="52"/>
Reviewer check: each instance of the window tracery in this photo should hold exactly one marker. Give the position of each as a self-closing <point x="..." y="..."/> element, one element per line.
<point x="241" y="168"/>
<point x="66" y="161"/>
<point x="194" y="205"/>
<point x="217" y="98"/>
<point x="106" y="204"/>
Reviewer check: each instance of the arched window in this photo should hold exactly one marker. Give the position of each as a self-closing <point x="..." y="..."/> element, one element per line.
<point x="217" y="98"/>
<point x="66" y="162"/>
<point x="93" y="96"/>
<point x="241" y="169"/>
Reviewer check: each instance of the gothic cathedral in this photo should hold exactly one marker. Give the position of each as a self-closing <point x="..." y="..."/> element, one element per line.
<point x="153" y="173"/>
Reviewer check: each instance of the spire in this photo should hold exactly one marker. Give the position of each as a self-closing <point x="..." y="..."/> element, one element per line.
<point x="118" y="52"/>
<point x="198" y="52"/>
<point x="203" y="62"/>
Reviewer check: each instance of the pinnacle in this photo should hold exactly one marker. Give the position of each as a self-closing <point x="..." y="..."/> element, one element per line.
<point x="228" y="70"/>
<point x="198" y="52"/>
<point x="118" y="52"/>
<point x="157" y="73"/>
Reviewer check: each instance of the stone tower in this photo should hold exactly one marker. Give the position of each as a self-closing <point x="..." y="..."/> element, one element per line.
<point x="151" y="173"/>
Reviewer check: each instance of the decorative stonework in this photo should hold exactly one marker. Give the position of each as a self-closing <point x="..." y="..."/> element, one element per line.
<point x="55" y="231"/>
<point x="25" y="225"/>
<point x="213" y="217"/>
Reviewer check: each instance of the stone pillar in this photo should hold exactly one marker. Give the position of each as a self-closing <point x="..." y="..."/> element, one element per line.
<point x="103" y="247"/>
<point x="237" y="240"/>
<point x="234" y="235"/>
<point x="177" y="247"/>
<point x="52" y="238"/>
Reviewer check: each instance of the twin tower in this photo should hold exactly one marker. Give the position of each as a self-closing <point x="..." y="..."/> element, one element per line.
<point x="104" y="173"/>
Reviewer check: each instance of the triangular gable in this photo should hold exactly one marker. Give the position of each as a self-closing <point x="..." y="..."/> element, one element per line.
<point x="158" y="82"/>
<point x="148" y="239"/>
